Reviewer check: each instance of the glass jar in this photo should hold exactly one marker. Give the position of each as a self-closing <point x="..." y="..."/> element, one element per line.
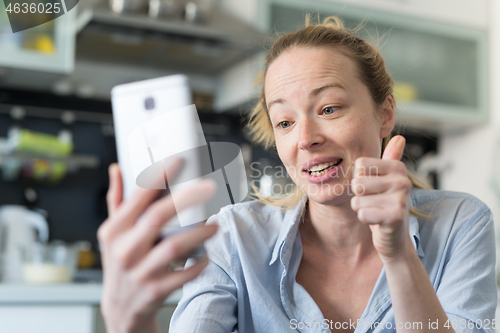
<point x="55" y="262"/>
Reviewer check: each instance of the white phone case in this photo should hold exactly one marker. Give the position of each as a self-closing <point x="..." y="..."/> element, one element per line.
<point x="155" y="121"/>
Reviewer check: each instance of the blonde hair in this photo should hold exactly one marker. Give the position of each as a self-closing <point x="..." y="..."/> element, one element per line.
<point x="370" y="69"/>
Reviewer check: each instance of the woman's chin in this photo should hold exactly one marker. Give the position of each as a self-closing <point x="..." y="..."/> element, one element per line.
<point x="328" y="195"/>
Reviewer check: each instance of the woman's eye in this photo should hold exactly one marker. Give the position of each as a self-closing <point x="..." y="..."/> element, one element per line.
<point x="284" y="124"/>
<point x="330" y="109"/>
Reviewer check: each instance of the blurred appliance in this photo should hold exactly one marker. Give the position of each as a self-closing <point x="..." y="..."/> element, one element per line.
<point x="17" y="230"/>
<point x="128" y="6"/>
<point x="186" y="36"/>
<point x="199" y="10"/>
<point x="165" y="8"/>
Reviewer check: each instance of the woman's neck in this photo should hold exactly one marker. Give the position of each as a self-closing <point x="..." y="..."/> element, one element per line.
<point x="336" y="232"/>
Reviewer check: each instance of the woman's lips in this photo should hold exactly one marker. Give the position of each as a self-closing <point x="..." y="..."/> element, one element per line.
<point x="332" y="173"/>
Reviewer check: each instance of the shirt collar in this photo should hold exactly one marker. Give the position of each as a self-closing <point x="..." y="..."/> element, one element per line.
<point x="291" y="219"/>
<point x="293" y="216"/>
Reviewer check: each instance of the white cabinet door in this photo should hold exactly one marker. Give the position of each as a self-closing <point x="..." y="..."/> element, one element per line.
<point x="49" y="47"/>
<point x="163" y="316"/>
<point x="472" y="13"/>
<point x="47" y="319"/>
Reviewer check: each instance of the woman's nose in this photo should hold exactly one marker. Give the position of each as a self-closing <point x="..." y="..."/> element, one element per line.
<point x="309" y="135"/>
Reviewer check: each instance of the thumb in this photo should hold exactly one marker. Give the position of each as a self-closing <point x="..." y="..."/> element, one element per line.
<point x="395" y="148"/>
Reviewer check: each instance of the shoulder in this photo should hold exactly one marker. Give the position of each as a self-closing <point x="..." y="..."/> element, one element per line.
<point x="459" y="208"/>
<point x="452" y="216"/>
<point x="438" y="200"/>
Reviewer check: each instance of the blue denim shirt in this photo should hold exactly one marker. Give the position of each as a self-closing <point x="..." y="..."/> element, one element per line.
<point x="249" y="284"/>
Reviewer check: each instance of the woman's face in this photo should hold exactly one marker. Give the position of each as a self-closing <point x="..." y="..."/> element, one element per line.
<point x="323" y="119"/>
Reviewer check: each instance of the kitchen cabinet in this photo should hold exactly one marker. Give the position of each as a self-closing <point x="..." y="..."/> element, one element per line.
<point x="470" y="13"/>
<point x="439" y="69"/>
<point x="45" y="319"/>
<point x="49" y="47"/>
<point x="61" y="308"/>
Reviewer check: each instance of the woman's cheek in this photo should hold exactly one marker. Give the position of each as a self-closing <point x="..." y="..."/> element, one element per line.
<point x="292" y="172"/>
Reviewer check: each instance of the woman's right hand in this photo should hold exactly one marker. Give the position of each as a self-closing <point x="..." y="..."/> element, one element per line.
<point x="136" y="275"/>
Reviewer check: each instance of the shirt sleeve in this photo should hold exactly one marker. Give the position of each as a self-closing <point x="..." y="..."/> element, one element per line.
<point x="209" y="302"/>
<point x="468" y="290"/>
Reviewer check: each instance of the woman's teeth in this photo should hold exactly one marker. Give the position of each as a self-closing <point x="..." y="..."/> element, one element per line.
<point x="321" y="169"/>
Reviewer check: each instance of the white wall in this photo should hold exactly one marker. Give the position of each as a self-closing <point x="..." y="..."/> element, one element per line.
<point x="472" y="153"/>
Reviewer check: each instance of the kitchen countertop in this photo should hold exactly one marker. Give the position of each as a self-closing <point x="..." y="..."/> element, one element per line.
<point x="71" y="293"/>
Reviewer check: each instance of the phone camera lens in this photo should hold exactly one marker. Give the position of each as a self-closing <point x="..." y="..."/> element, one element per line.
<point x="149" y="103"/>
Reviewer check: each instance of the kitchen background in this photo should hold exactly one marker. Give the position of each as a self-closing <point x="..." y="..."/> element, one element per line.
<point x="56" y="129"/>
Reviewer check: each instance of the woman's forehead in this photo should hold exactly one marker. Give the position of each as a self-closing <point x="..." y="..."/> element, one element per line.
<point x="306" y="68"/>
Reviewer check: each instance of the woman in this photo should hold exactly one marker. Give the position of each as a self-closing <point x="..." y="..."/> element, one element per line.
<point x="357" y="246"/>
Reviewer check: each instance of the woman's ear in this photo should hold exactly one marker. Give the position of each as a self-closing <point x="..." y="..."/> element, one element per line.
<point x="387" y="116"/>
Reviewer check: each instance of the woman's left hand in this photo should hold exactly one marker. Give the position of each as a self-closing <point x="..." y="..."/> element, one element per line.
<point x="381" y="199"/>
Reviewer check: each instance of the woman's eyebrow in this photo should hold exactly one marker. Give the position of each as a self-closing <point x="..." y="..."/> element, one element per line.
<point x="313" y="93"/>
<point x="276" y="101"/>
<point x="316" y="91"/>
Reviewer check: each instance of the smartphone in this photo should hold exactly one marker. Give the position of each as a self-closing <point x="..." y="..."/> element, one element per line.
<point x="155" y="123"/>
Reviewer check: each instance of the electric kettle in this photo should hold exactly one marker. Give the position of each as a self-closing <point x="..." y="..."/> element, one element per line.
<point x="17" y="230"/>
